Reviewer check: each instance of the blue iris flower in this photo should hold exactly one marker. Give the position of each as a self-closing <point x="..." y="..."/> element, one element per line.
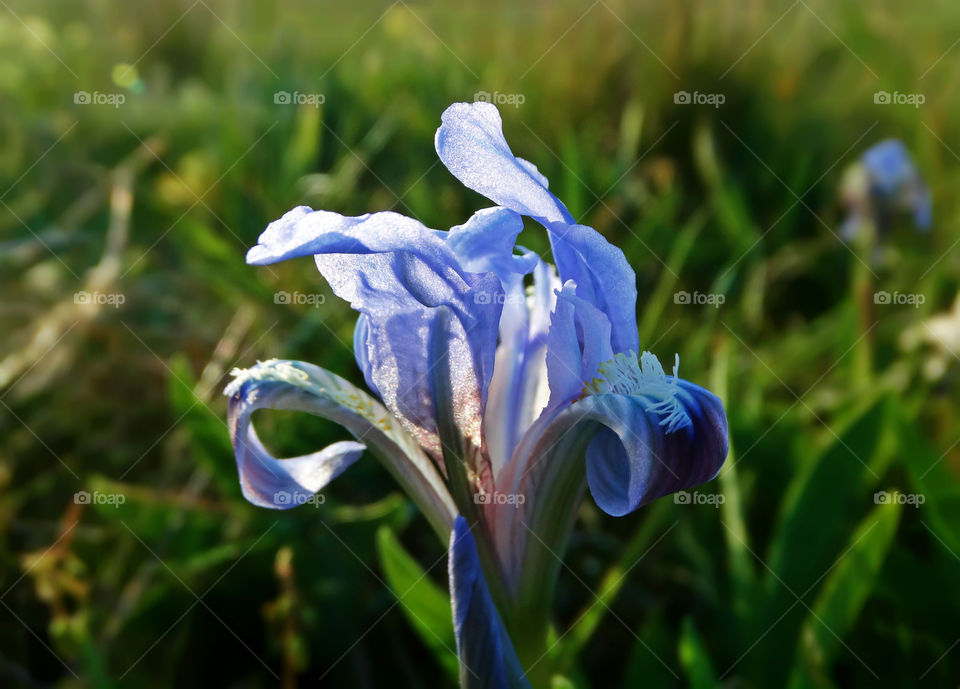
<point x="502" y="385"/>
<point x="886" y="181"/>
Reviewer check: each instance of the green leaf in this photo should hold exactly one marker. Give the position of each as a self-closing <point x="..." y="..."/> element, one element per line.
<point x="587" y="622"/>
<point x="209" y="437"/>
<point x="934" y="481"/>
<point x="695" y="658"/>
<point x="652" y="663"/>
<point x="822" y="507"/>
<point x="844" y="593"/>
<point x="425" y="605"/>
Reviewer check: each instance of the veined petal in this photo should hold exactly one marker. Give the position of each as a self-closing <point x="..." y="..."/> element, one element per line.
<point x="471" y="144"/>
<point x="304" y="387"/>
<point x="487" y="657"/>
<point x="398" y="274"/>
<point x="635" y="458"/>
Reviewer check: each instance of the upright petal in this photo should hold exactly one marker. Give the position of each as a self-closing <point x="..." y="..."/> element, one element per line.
<point x="487" y="657"/>
<point x="294" y="385"/>
<point x="517" y="390"/>
<point x="471" y="144"/>
<point x="577" y="344"/>
<point x="397" y="274"/>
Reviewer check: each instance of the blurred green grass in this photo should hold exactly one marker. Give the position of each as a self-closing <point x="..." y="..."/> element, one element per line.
<point x="157" y="200"/>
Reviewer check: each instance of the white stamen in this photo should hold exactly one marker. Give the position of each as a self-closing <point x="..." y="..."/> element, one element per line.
<point x="624" y="374"/>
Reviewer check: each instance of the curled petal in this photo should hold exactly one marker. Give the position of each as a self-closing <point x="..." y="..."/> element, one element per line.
<point x="398" y="274"/>
<point x="304" y="387"/>
<point x="629" y="448"/>
<point x="284" y="483"/>
<point x="635" y="458"/>
<point x="487" y="657"/>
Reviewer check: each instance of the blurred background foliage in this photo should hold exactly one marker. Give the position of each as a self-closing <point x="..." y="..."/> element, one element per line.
<point x="800" y="578"/>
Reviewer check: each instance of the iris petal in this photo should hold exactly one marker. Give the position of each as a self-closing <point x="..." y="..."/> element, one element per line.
<point x="487" y="658"/>
<point x="634" y="459"/>
<point x="517" y="390"/>
<point x="398" y="273"/>
<point x="578" y="342"/>
<point x="471" y="144"/>
<point x="304" y="387"/>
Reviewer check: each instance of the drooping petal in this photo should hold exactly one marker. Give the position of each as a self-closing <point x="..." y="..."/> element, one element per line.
<point x="304" y="387"/>
<point x="487" y="657"/>
<point x="471" y="144"/>
<point x="398" y="273"/>
<point x="635" y="458"/>
<point x="639" y="435"/>
<point x="284" y="483"/>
